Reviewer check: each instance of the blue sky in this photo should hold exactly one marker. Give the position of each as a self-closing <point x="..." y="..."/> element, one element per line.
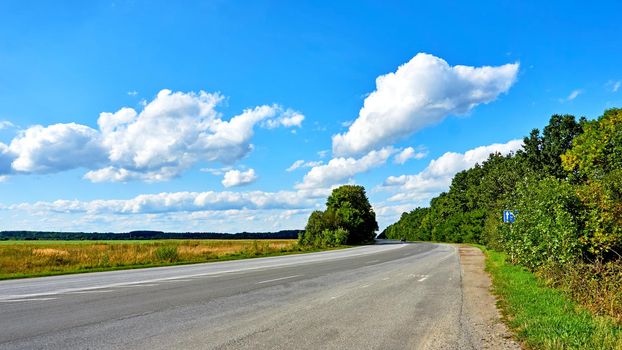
<point x="442" y="85"/>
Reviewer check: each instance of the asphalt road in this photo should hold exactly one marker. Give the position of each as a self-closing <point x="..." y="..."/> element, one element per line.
<point x="390" y="296"/>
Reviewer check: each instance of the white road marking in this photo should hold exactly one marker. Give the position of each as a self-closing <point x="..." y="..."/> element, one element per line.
<point x="278" y="279"/>
<point x="26" y="299"/>
<point x="91" y="291"/>
<point x="365" y="286"/>
<point x="422" y="279"/>
<point x="184" y="280"/>
<point x="386" y="279"/>
<point x="136" y="285"/>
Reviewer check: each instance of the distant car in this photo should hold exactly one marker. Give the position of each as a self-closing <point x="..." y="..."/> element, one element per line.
<point x="403" y="239"/>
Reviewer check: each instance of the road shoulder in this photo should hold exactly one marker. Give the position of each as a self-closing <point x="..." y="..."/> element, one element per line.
<point x="487" y="331"/>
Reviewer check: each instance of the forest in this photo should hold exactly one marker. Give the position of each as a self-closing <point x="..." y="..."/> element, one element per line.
<point x="565" y="190"/>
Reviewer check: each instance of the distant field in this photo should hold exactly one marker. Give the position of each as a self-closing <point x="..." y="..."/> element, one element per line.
<point x="40" y="258"/>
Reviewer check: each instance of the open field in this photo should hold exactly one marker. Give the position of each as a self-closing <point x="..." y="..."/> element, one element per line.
<point x="41" y="258"/>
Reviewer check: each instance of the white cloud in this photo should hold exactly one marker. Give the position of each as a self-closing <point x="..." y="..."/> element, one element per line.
<point x="234" y="178"/>
<point x="132" y="93"/>
<point x="323" y="153"/>
<point x="420" y="93"/>
<point x="232" y="220"/>
<point x="55" y="148"/>
<point x="288" y="119"/>
<point x="410" y="153"/>
<point x="297" y="164"/>
<point x="169" y="202"/>
<point x="6" y="159"/>
<point x="5" y="124"/>
<point x="172" y="132"/>
<point x="112" y="174"/>
<point x="573" y="94"/>
<point x="437" y="176"/>
<point x="339" y="169"/>
<point x="302" y="164"/>
<point x="216" y="171"/>
<point x="614" y="85"/>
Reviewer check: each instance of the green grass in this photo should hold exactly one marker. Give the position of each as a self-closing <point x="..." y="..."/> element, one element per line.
<point x="545" y="318"/>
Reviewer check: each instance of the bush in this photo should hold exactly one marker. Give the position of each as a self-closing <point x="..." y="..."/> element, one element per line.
<point x="547" y="226"/>
<point x="167" y="253"/>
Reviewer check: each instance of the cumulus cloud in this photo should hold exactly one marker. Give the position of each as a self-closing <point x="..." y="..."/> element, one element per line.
<point x="234" y="178"/>
<point x="172" y="132"/>
<point x="410" y="153"/>
<point x="421" y="92"/>
<point x="6" y="159"/>
<point x="302" y="164"/>
<point x="436" y="177"/>
<point x="339" y="169"/>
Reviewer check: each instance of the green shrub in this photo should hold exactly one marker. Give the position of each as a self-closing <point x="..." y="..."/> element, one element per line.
<point x="167" y="253"/>
<point x="547" y="226"/>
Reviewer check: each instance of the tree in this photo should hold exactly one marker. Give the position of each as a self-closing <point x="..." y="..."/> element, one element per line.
<point x="349" y="218"/>
<point x="595" y="161"/>
<point x="353" y="213"/>
<point x="542" y="153"/>
<point x="313" y="231"/>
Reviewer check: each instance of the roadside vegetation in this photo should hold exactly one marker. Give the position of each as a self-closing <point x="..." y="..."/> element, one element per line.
<point x="348" y="219"/>
<point x="565" y="189"/>
<point x="40" y="258"/>
<point x="543" y="317"/>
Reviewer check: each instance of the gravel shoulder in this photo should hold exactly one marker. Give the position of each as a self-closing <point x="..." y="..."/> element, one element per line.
<point x="480" y="313"/>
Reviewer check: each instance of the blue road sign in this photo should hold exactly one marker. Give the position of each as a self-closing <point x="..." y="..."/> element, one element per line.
<point x="508" y="216"/>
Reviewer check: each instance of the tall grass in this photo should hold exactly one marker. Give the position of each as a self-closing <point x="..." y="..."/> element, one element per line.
<point x="597" y="286"/>
<point x="39" y="258"/>
<point x="546" y="318"/>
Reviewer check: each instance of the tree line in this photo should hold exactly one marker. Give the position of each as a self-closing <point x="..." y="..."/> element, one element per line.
<point x="565" y="187"/>
<point x="143" y="235"/>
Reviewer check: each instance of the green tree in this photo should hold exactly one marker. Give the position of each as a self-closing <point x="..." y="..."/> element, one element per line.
<point x="542" y="153"/>
<point x="353" y="213"/>
<point x="313" y="231"/>
<point x="349" y="218"/>
<point x="595" y="161"/>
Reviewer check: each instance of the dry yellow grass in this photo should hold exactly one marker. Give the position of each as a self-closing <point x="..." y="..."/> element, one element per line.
<point x="19" y="258"/>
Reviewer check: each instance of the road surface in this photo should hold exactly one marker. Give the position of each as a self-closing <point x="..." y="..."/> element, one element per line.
<point x="389" y="296"/>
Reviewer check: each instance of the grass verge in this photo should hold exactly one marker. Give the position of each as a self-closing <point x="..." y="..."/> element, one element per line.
<point x="543" y="317"/>
<point x="21" y="259"/>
